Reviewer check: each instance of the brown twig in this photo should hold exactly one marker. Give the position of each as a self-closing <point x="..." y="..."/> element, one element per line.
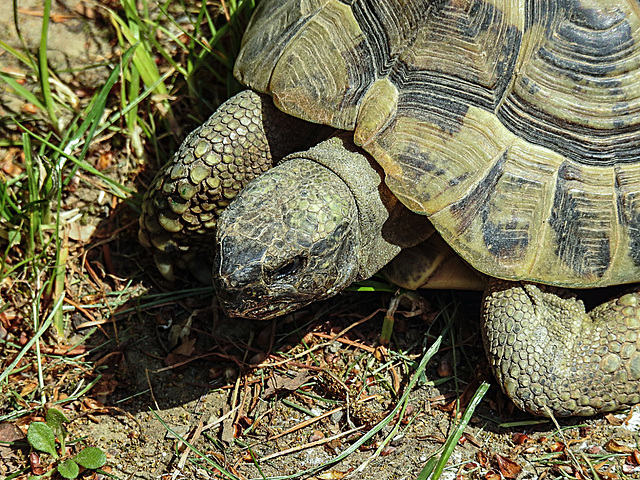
<point x="311" y="444"/>
<point x="321" y="345"/>
<point x="346" y="341"/>
<point x="313" y="420"/>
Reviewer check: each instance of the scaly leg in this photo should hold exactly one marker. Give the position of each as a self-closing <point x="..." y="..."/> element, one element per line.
<point x="551" y="357"/>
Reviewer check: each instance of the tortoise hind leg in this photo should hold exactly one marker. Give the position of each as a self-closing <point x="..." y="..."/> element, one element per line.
<point x="551" y="357"/>
<point x="241" y="140"/>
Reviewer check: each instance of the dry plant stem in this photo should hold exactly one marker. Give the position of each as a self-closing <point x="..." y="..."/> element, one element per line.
<point x="220" y="419"/>
<point x="84" y="311"/>
<point x="226" y="10"/>
<point x="99" y="323"/>
<point x="243" y="400"/>
<point x="396" y="379"/>
<point x="313" y="420"/>
<point x="346" y="341"/>
<point x="185" y="454"/>
<point x="311" y="444"/>
<point x="313" y="368"/>
<point x="146" y="372"/>
<point x="64" y="350"/>
<point x="574" y="460"/>
<point x="321" y="345"/>
<point x="220" y="356"/>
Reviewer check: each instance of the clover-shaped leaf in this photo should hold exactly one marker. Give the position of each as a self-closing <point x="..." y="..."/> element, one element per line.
<point x="55" y="419"/>
<point x="91" y="457"/>
<point x="68" y="469"/>
<point x="41" y="437"/>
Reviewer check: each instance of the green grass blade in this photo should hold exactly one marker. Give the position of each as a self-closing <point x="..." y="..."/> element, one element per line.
<point x="16" y="53"/>
<point x="116" y="188"/>
<point x="435" y="469"/>
<point x="43" y="67"/>
<point x="41" y="331"/>
<point x="22" y="91"/>
<point x="142" y="58"/>
<point x="206" y="457"/>
<point x="96" y="108"/>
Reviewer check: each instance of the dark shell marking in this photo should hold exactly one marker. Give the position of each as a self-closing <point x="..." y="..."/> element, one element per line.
<point x="514" y="125"/>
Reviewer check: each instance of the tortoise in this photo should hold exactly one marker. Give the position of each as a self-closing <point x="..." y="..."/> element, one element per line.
<point x="511" y="128"/>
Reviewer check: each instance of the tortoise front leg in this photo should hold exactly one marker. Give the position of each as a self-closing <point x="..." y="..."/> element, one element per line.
<point x="551" y="357"/>
<point x="241" y="140"/>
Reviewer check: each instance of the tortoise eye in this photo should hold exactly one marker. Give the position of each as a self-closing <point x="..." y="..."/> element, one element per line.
<point x="292" y="267"/>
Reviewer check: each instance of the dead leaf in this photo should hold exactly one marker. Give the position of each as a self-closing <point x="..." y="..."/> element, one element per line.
<point x="483" y="459"/>
<point x="388" y="450"/>
<point x="380" y="353"/>
<point x="105" y="161"/>
<point x="247" y="457"/>
<point x="407" y="414"/>
<point x="614" y="446"/>
<point x="28" y="386"/>
<point x="520" y="438"/>
<point x="508" y="468"/>
<point x="557" y="447"/>
<point x="613" y="420"/>
<point x="10" y="433"/>
<point x="93" y="404"/>
<point x="444" y="368"/>
<point x="81" y="233"/>
<point x="186" y="348"/>
<point x="34" y="463"/>
<point x="279" y="382"/>
<point x="105" y="387"/>
<point x="29" y="108"/>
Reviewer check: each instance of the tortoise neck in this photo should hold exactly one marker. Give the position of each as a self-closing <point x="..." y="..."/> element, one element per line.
<point x="356" y="170"/>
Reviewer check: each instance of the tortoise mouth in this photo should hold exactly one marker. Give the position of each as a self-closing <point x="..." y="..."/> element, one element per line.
<point x="264" y="309"/>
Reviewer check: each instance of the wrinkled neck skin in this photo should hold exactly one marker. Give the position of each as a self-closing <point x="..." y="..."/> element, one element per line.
<point x="349" y="163"/>
<point x="301" y="232"/>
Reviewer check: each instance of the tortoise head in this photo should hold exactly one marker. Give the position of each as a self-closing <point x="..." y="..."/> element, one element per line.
<point x="297" y="234"/>
<point x="291" y="237"/>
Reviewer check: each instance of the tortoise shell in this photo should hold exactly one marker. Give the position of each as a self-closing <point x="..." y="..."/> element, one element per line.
<point x="514" y="125"/>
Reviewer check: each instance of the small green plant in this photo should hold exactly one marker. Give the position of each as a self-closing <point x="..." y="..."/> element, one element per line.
<point x="42" y="436"/>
